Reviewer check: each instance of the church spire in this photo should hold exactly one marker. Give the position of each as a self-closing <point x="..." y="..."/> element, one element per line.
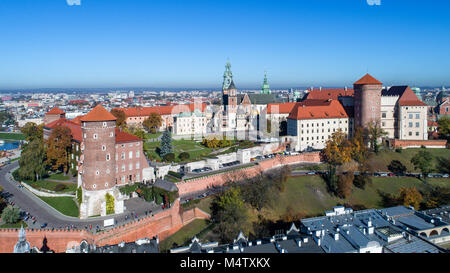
<point x="265" y="88"/>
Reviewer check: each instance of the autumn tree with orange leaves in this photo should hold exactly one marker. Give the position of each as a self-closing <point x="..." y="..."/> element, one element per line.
<point x="338" y="151"/>
<point x="59" y="145"/>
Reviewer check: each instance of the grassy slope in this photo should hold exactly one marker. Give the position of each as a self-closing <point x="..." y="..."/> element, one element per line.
<point x="59" y="176"/>
<point x="194" y="148"/>
<point x="381" y="161"/>
<point x="50" y="185"/>
<point x="65" y="205"/>
<point x="16" y="225"/>
<point x="184" y="235"/>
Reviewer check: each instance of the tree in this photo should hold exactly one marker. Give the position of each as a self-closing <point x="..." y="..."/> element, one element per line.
<point x="337" y="151"/>
<point x="229" y="213"/>
<point x="361" y="180"/>
<point x="32" y="131"/>
<point x="373" y="133"/>
<point x="152" y="123"/>
<point x="444" y="127"/>
<point x="109" y="204"/>
<point x="59" y="145"/>
<point x="423" y="161"/>
<point x="257" y="193"/>
<point x="166" y="144"/>
<point x="31" y="162"/>
<point x="360" y="153"/>
<point x="169" y="157"/>
<point x="11" y="215"/>
<point x="345" y="183"/>
<point x="443" y="165"/>
<point x="79" y="195"/>
<point x="410" y="197"/>
<point x="120" y="118"/>
<point x="397" y="167"/>
<point x="184" y="156"/>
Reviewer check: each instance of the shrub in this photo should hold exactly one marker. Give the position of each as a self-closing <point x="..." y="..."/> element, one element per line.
<point x="169" y="157"/>
<point x="184" y="156"/>
<point x="10" y="215"/>
<point x="60" y="187"/>
<point x="398" y="150"/>
<point x="177" y="175"/>
<point x="109" y="204"/>
<point x="79" y="195"/>
<point x="397" y="167"/>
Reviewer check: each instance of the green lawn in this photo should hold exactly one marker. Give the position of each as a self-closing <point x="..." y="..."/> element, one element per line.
<point x="13" y="136"/>
<point x="195" y="149"/>
<point x="152" y="136"/>
<point x="50" y="185"/>
<point x="16" y="225"/>
<point x="59" y="176"/>
<point x="184" y="235"/>
<point x="65" y="205"/>
<point x="384" y="158"/>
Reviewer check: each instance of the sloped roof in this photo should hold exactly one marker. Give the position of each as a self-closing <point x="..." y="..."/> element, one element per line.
<point x="367" y="79"/>
<point x="55" y="111"/>
<point x="280" y="108"/>
<point x="407" y="97"/>
<point x="334" y="94"/>
<point x="162" y="110"/>
<point x="75" y="128"/>
<point x="318" y="110"/>
<point x="99" y="113"/>
<point x="122" y="137"/>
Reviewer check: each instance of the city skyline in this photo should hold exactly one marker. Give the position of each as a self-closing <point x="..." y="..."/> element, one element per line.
<point x="51" y="44"/>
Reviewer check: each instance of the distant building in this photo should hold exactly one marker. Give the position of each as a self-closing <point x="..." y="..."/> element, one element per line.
<point x="144" y="245"/>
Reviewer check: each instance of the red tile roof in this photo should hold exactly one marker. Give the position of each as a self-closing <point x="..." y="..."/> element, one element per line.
<point x="122" y="137"/>
<point x="409" y="98"/>
<point x="280" y="108"/>
<point x="74" y="127"/>
<point x="55" y="111"/>
<point x="334" y="94"/>
<point x="99" y="113"/>
<point x="162" y="110"/>
<point x="318" y="110"/>
<point x="367" y="79"/>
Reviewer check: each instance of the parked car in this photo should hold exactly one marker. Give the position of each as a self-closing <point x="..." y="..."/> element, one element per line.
<point x="311" y="173"/>
<point x="44" y="225"/>
<point x="445" y="175"/>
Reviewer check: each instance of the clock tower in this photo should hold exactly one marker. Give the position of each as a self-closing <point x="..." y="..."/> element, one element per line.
<point x="229" y="98"/>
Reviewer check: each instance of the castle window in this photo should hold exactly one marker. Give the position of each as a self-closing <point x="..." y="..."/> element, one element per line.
<point x="138" y="154"/>
<point x="107" y="157"/>
<point x="130" y="155"/>
<point x="410" y="125"/>
<point x="94" y="186"/>
<point x="123" y="167"/>
<point x="123" y="155"/>
<point x="107" y="171"/>
<point x="122" y="179"/>
<point x="111" y="134"/>
<point x="103" y="148"/>
<point x="84" y="135"/>
<point x="95" y="136"/>
<point x="410" y="133"/>
<point x="417" y="124"/>
<point x="417" y="133"/>
<point x="97" y="172"/>
<point x="138" y="165"/>
<point x="104" y="124"/>
<point x="383" y="115"/>
<point x="417" y="116"/>
<point x="106" y="184"/>
<point x="410" y="116"/>
<point x="130" y="166"/>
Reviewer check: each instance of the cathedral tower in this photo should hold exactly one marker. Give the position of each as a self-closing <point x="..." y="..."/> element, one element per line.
<point x="229" y="96"/>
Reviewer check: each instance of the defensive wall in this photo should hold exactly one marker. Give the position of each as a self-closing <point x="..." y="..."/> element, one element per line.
<point x="162" y="224"/>
<point x="217" y="180"/>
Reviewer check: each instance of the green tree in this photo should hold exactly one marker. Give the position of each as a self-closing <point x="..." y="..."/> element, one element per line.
<point x="257" y="193"/>
<point x="166" y="144"/>
<point x="59" y="147"/>
<point x="11" y="215"/>
<point x="443" y="165"/>
<point x="170" y="157"/>
<point x="109" y="204"/>
<point x="397" y="167"/>
<point x="32" y="131"/>
<point x="152" y="123"/>
<point x="120" y="118"/>
<point x="79" y="195"/>
<point x="373" y="133"/>
<point x="184" y="156"/>
<point x="444" y="127"/>
<point x="423" y="161"/>
<point x="229" y="213"/>
<point x="31" y="162"/>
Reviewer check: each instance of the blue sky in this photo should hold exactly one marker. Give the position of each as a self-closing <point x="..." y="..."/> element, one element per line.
<point x="185" y="43"/>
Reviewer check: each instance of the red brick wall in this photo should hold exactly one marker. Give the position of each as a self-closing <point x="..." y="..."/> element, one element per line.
<point x="196" y="185"/>
<point x="162" y="224"/>
<point x="417" y="143"/>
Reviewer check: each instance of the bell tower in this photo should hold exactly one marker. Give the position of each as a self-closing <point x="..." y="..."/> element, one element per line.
<point x="229" y="96"/>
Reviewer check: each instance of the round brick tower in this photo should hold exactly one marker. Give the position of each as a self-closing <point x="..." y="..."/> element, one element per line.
<point x="98" y="172"/>
<point x="367" y="100"/>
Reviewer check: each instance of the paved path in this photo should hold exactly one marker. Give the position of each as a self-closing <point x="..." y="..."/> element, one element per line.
<point x="44" y="213"/>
